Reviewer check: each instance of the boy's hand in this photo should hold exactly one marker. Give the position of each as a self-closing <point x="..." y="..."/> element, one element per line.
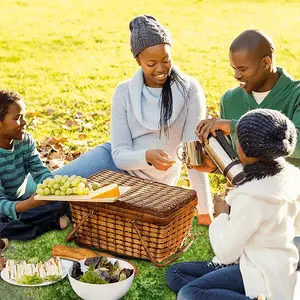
<point x="29" y="203"/>
<point x="220" y="206"/>
<point x="159" y="159"/>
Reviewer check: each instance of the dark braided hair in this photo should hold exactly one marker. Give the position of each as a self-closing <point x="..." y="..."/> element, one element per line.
<point x="7" y="98"/>
<point x="166" y="100"/>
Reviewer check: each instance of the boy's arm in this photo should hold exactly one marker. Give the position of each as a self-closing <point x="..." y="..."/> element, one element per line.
<point x="7" y="207"/>
<point x="37" y="169"/>
<point x="11" y="208"/>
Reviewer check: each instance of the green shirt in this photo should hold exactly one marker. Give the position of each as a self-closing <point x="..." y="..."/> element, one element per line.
<point x="15" y="165"/>
<point x="284" y="96"/>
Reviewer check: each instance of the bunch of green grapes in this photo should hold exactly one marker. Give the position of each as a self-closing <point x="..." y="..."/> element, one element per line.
<point x="63" y="186"/>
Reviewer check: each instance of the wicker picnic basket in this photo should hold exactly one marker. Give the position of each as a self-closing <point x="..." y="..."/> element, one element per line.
<point x="151" y="221"/>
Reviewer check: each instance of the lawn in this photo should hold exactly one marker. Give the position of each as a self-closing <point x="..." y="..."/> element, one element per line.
<point x="66" y="57"/>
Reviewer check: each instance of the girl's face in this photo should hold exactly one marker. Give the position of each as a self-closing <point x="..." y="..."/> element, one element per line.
<point x="13" y="125"/>
<point x="156" y="62"/>
<point x="245" y="160"/>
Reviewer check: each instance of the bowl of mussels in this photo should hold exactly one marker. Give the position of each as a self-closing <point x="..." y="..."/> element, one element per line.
<point x="101" y="278"/>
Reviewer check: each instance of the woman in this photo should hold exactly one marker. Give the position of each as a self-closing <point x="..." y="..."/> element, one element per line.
<point x="255" y="253"/>
<point x="152" y="114"/>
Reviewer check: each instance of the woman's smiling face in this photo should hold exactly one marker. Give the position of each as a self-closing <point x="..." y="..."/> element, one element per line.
<point x="156" y="62"/>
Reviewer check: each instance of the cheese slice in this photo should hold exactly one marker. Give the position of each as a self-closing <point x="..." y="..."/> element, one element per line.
<point x="108" y="191"/>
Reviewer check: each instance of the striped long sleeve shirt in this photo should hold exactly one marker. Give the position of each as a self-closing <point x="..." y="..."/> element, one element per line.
<point x="15" y="165"/>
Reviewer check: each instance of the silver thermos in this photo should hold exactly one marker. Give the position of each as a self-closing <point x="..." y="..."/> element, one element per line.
<point x="226" y="159"/>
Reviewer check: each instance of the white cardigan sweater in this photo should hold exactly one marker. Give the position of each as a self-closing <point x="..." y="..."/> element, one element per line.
<point x="259" y="233"/>
<point x="135" y="129"/>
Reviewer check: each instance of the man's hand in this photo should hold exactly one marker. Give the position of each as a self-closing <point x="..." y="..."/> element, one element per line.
<point x="205" y="127"/>
<point x="220" y="206"/>
<point x="29" y="203"/>
<point x="159" y="159"/>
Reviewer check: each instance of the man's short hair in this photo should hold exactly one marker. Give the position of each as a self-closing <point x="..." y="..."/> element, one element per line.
<point x="254" y="40"/>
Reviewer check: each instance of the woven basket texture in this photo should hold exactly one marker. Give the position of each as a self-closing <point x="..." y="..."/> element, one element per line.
<point x="162" y="214"/>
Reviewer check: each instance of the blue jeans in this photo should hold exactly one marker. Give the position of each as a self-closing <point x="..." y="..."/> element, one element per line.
<point x="206" y="281"/>
<point x="91" y="162"/>
<point x="33" y="222"/>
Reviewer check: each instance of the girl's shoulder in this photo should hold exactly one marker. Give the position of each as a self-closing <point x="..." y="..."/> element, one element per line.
<point x="282" y="187"/>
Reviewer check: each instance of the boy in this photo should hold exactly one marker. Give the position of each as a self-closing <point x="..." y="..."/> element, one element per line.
<point x="22" y="217"/>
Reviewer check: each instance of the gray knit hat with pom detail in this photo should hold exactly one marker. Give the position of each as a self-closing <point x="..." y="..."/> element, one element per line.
<point x="146" y="31"/>
<point x="266" y="133"/>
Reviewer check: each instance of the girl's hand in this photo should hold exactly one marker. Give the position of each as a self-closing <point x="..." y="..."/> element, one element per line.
<point x="220" y="206"/>
<point x="159" y="159"/>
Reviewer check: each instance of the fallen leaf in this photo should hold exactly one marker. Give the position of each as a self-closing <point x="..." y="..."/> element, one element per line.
<point x="87" y="125"/>
<point x="83" y="136"/>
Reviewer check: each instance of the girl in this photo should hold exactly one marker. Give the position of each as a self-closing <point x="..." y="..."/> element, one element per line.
<point x="152" y="114"/>
<point x="255" y="253"/>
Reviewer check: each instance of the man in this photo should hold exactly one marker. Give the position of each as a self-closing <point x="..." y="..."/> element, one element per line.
<point x="262" y="85"/>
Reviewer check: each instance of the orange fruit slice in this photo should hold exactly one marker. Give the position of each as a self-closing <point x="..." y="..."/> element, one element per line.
<point x="108" y="191"/>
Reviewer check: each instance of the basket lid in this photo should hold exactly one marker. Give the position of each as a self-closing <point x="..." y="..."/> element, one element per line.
<point x="145" y="195"/>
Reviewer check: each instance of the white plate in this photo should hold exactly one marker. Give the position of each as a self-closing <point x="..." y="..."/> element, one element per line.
<point x="87" y="198"/>
<point x="66" y="264"/>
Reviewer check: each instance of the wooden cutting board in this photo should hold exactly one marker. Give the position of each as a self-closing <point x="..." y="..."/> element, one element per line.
<point x="87" y="198"/>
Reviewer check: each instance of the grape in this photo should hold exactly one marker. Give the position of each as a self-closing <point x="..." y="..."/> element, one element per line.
<point x="67" y="184"/>
<point x="46" y="191"/>
<point x="95" y="186"/>
<point x="40" y="191"/>
<point x="56" y="186"/>
<point x="84" y="180"/>
<point x="50" y="185"/>
<point x="64" y="185"/>
<point x="57" y="178"/>
<point x="57" y="193"/>
<point x="81" y="185"/>
<point x="69" y="191"/>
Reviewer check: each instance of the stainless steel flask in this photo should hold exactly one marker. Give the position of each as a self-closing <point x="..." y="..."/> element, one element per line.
<point x="226" y="159"/>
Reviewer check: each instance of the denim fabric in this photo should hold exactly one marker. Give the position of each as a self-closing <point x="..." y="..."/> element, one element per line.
<point x="297" y="243"/>
<point x="91" y="162"/>
<point x="206" y="281"/>
<point x="33" y="222"/>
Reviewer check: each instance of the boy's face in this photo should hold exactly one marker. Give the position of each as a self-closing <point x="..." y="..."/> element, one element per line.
<point x="13" y="125"/>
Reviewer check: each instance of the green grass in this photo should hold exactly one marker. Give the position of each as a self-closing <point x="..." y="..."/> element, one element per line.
<point x="68" y="55"/>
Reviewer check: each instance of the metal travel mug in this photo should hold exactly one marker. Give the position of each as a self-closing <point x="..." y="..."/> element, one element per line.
<point x="193" y="153"/>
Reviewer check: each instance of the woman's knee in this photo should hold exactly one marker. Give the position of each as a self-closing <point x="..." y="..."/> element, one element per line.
<point x="89" y="163"/>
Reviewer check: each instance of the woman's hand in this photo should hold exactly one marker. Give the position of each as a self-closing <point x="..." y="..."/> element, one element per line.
<point x="220" y="206"/>
<point x="159" y="159"/>
<point x="205" y="127"/>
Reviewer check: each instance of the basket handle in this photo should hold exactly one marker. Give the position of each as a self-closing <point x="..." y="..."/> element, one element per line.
<point x="169" y="259"/>
<point x="71" y="235"/>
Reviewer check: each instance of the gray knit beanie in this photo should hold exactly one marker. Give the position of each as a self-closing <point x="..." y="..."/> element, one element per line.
<point x="266" y="133"/>
<point x="146" y="31"/>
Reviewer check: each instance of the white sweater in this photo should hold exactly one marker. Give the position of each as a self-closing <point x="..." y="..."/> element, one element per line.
<point x="259" y="233"/>
<point x="135" y="129"/>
